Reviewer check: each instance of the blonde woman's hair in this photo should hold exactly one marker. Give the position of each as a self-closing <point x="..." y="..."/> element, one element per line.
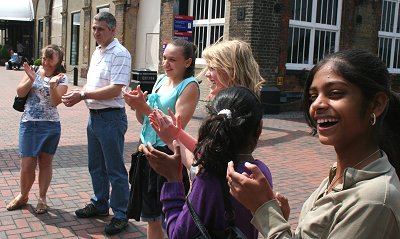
<point x="235" y="65"/>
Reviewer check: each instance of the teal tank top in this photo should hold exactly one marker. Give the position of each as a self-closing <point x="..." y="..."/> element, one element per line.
<point x="161" y="102"/>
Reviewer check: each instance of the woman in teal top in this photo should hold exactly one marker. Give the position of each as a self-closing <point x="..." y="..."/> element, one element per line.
<point x="177" y="90"/>
<point x="163" y="102"/>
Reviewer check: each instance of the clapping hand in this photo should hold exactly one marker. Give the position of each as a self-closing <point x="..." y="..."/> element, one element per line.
<point x="166" y="128"/>
<point x="136" y="99"/>
<point x="55" y="79"/>
<point x="168" y="166"/>
<point x="253" y="190"/>
<point x="250" y="190"/>
<point x="29" y="71"/>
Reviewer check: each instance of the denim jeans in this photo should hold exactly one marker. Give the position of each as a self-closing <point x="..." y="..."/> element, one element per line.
<point x="106" y="135"/>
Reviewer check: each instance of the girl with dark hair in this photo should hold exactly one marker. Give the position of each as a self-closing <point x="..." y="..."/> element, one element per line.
<point x="349" y="104"/>
<point x="234" y="111"/>
<point x="178" y="91"/>
<point x="40" y="128"/>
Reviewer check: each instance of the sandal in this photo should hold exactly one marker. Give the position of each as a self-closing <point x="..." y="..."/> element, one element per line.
<point x="17" y="203"/>
<point x="41" y="208"/>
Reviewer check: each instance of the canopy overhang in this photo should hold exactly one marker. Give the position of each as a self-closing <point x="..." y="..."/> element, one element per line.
<point x="17" y="10"/>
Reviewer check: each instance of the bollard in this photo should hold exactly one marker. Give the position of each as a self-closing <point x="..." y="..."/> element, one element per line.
<point x="75" y="75"/>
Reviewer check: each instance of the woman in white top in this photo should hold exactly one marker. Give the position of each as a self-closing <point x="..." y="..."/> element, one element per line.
<point x="40" y="128"/>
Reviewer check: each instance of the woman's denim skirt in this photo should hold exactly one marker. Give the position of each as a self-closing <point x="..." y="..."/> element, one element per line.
<point x="37" y="137"/>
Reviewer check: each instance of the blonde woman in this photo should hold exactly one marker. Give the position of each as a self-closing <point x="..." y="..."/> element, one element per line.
<point x="231" y="63"/>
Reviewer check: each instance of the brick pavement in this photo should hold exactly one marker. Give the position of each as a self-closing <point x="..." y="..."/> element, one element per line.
<point x="297" y="161"/>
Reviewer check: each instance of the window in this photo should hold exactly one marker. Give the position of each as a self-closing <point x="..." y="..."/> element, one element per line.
<point x="208" y="23"/>
<point x="314" y="28"/>
<point x="389" y="35"/>
<point x="75" y="27"/>
<point x="103" y="9"/>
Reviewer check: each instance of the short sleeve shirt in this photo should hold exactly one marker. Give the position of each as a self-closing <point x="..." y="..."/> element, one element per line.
<point x="14" y="58"/>
<point x="38" y="106"/>
<point x="108" y="66"/>
<point x="162" y="102"/>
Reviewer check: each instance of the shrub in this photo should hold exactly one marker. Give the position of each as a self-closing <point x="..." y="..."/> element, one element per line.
<point x="4" y="55"/>
<point x="38" y="62"/>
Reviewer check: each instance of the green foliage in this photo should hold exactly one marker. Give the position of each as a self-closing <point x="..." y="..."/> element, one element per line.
<point x="38" y="62"/>
<point x="4" y="55"/>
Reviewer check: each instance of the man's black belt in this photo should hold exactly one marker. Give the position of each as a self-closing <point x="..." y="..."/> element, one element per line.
<point x="98" y="111"/>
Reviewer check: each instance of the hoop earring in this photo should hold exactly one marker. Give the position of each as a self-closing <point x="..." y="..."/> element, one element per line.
<point x="373" y="119"/>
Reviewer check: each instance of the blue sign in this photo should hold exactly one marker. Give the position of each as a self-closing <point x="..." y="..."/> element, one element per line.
<point x="183" y="23"/>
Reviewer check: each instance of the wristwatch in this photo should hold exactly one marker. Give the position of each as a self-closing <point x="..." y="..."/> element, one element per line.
<point x="83" y="95"/>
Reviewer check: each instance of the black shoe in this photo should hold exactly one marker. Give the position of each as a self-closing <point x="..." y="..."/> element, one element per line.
<point x="116" y="226"/>
<point x="90" y="211"/>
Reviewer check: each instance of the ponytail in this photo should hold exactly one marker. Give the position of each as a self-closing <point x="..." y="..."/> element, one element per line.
<point x="231" y="129"/>
<point x="389" y="135"/>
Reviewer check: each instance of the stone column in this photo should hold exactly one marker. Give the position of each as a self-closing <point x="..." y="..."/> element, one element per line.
<point x="130" y="28"/>
<point x="166" y="25"/>
<point x="64" y="28"/>
<point x="120" y="17"/>
<point x="46" y="30"/>
<point x="87" y="28"/>
<point x="64" y="31"/>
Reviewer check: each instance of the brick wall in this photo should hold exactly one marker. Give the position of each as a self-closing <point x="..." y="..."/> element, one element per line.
<point x="261" y="28"/>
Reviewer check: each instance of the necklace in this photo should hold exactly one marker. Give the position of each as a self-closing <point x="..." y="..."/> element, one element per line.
<point x="334" y="181"/>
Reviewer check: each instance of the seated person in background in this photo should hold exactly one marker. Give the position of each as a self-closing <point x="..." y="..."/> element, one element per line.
<point x="14" y="60"/>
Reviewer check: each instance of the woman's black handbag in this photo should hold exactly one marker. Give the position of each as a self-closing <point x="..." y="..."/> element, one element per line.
<point x="19" y="103"/>
<point x="231" y="232"/>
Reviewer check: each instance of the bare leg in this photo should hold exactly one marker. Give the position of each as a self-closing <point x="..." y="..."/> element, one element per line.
<point x="27" y="178"/>
<point x="154" y="230"/>
<point x="45" y="174"/>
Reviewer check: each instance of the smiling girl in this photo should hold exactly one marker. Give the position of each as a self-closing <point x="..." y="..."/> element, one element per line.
<point x="350" y="107"/>
<point x="178" y="91"/>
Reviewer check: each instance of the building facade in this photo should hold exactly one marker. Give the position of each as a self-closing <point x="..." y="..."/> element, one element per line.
<point x="288" y="37"/>
<point x="68" y="24"/>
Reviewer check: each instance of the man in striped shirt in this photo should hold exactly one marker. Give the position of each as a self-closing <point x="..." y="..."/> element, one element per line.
<point x="109" y="72"/>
